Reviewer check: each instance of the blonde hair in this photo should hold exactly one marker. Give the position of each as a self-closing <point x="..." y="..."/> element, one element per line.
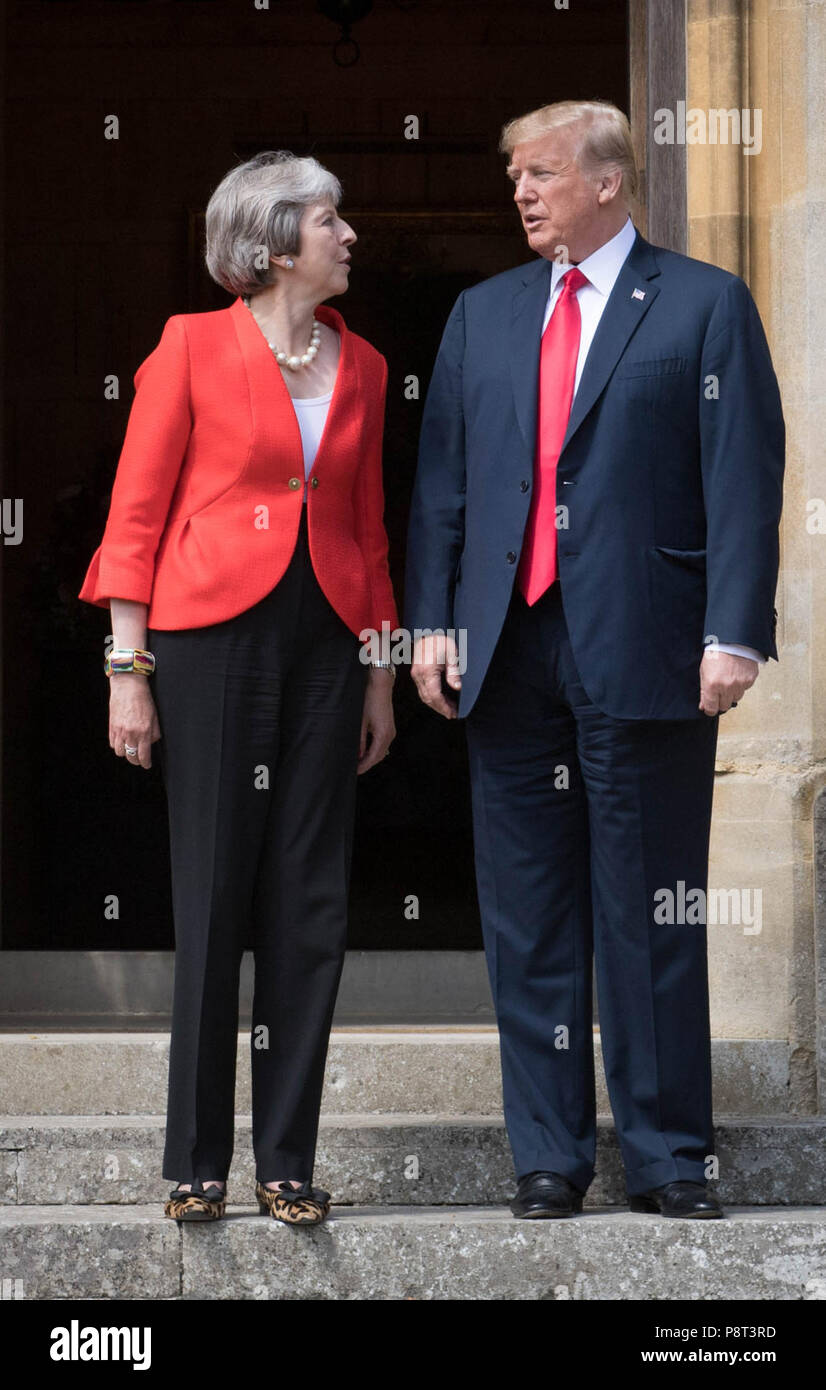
<point x="605" y="141"/>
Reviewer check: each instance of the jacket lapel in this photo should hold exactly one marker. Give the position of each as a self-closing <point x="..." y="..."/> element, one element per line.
<point x="276" y="431"/>
<point x="620" y="317"/>
<point x="526" y="328"/>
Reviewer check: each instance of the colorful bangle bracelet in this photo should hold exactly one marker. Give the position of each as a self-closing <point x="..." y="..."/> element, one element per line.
<point x="129" y="659"/>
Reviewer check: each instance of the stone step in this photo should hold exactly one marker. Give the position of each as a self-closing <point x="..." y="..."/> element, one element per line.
<point x="432" y="1253"/>
<point x="425" y="1070"/>
<point x="406" y="1160"/>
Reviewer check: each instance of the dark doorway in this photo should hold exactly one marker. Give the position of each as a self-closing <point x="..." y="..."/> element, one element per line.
<point x="102" y="245"/>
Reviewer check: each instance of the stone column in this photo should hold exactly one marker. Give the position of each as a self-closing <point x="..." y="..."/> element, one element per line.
<point x="763" y="216"/>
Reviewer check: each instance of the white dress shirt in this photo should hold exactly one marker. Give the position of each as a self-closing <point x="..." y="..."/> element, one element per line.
<point x="602" y="268"/>
<point x="311" y="412"/>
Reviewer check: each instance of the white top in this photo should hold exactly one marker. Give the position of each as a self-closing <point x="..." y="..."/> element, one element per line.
<point x="601" y="269"/>
<point x="311" y="412"/>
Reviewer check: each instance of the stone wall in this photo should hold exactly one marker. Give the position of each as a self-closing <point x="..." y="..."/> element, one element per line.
<point x="763" y="216"/>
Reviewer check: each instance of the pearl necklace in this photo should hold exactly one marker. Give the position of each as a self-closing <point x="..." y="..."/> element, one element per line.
<point x="283" y="358"/>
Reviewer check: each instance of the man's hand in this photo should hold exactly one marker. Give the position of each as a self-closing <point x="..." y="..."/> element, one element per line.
<point x="431" y="657"/>
<point x="724" y="679"/>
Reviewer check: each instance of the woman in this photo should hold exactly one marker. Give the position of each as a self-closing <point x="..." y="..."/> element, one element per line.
<point x="243" y="554"/>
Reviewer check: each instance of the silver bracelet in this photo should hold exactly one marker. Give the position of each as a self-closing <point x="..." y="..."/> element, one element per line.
<point x="385" y="666"/>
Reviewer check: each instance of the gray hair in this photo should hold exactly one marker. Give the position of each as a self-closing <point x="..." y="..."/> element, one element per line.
<point x="258" y="206"/>
<point x="605" y="142"/>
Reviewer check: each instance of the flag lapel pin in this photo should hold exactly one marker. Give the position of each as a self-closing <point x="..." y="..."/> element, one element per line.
<point x="638" y="294"/>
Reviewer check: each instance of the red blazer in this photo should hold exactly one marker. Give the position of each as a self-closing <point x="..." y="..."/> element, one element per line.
<point x="207" y="497"/>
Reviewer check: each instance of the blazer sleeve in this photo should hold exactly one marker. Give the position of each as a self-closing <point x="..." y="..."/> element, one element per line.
<point x="156" y="439"/>
<point x="368" y="505"/>
<point x="742" y="450"/>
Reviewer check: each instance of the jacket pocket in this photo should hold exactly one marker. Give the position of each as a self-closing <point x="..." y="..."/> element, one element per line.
<point x="691" y="559"/>
<point x="678" y="601"/>
<point x="653" y="366"/>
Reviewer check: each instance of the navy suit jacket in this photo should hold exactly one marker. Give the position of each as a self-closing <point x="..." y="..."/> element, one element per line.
<point x="670" y="475"/>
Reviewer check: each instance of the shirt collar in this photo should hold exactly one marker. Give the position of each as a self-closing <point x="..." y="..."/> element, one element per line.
<point x="603" y="266"/>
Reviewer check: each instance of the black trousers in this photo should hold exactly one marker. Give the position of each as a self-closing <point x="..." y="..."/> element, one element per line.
<point x="260" y="718"/>
<point x="579" y="820"/>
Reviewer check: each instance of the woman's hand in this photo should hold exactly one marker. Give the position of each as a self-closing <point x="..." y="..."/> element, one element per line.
<point x="133" y="718"/>
<point x="377" y="719"/>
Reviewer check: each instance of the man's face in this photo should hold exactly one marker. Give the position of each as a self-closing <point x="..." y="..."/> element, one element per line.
<point x="557" y="202"/>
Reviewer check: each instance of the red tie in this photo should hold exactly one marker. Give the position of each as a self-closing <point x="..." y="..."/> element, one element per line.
<point x="557" y="374"/>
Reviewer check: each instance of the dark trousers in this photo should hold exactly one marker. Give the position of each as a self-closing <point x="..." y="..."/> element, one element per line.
<point x="579" y="819"/>
<point x="260" y="719"/>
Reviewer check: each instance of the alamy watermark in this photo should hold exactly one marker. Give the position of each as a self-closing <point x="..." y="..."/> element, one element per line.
<point x="695" y="907"/>
<point x="397" y="646"/>
<point x="691" y="125"/>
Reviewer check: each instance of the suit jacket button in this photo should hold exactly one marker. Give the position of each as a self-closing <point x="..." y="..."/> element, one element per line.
<point x="314" y="482"/>
<point x="511" y="557"/>
<point x="294" y="483"/>
<point x="524" y="485"/>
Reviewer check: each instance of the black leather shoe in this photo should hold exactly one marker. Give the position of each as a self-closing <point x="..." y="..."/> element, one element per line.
<point x="545" y="1195"/>
<point x="682" y="1198"/>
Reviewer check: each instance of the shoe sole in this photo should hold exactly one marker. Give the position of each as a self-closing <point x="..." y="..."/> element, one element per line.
<point x="545" y="1214"/>
<point x="648" y="1208"/>
<point x="305" y="1217"/>
<point x="196" y="1216"/>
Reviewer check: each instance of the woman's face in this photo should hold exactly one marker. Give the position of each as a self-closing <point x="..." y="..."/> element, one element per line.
<point x="324" y="262"/>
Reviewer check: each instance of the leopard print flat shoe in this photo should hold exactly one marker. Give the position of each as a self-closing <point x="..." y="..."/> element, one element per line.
<point x="297" y="1206"/>
<point x="201" y="1204"/>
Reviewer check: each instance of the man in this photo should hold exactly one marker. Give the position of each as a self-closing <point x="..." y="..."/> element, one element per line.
<point x="597" y="503"/>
